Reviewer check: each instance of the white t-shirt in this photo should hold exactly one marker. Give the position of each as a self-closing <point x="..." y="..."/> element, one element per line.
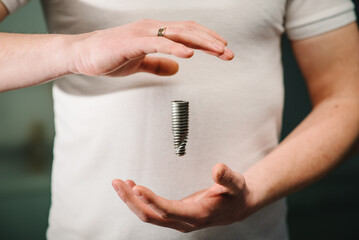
<point x="109" y="128"/>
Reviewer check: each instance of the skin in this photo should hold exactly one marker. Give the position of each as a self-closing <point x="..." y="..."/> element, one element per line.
<point x="114" y="52"/>
<point x="330" y="64"/>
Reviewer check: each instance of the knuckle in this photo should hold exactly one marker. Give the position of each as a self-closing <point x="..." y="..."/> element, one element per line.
<point x="143" y="24"/>
<point x="176" y="30"/>
<point x="190" y="25"/>
<point x="123" y="197"/>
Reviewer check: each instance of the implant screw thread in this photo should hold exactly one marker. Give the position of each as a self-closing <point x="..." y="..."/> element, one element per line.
<point x="180" y="120"/>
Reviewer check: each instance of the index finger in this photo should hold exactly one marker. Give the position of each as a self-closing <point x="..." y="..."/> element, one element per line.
<point x="193" y="25"/>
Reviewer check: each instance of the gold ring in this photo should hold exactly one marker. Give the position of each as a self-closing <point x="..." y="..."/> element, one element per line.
<point x="161" y="32"/>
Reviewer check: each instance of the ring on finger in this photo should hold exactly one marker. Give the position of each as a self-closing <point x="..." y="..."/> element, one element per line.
<point x="161" y="32"/>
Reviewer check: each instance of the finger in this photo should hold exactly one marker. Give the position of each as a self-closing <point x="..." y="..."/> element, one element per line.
<point x="159" y="66"/>
<point x="227" y="55"/>
<point x="159" y="45"/>
<point x="195" y="38"/>
<point x="194" y="25"/>
<point x="188" y="212"/>
<point x="130" y="183"/>
<point x="213" y="34"/>
<point x="142" y="211"/>
<point x="224" y="176"/>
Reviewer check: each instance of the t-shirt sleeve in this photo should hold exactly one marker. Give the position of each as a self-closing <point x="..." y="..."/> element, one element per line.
<point x="308" y="18"/>
<point x="12" y="5"/>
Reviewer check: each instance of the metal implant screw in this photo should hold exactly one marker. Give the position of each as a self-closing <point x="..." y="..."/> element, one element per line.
<point x="180" y="119"/>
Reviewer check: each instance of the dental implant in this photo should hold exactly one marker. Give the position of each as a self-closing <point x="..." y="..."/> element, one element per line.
<point x="180" y="126"/>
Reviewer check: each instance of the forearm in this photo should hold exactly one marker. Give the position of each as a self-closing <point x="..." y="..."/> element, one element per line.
<point x="27" y="60"/>
<point x="314" y="148"/>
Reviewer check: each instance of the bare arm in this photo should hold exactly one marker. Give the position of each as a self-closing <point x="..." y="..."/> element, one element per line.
<point x="31" y="59"/>
<point x="330" y="63"/>
<point x="25" y="60"/>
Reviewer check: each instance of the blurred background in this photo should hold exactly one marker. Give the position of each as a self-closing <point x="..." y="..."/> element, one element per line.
<point x="326" y="210"/>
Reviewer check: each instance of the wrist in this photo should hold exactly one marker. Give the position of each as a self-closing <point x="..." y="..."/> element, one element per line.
<point x="255" y="198"/>
<point x="63" y="54"/>
<point x="81" y="53"/>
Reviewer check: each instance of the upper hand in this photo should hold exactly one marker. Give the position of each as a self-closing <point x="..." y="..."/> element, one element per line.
<point x="227" y="201"/>
<point x="123" y="50"/>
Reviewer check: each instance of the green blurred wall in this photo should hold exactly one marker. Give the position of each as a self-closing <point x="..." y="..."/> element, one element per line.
<point x="326" y="210"/>
<point x="26" y="135"/>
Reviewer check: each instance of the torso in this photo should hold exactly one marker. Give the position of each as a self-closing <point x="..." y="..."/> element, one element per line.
<point x="121" y="128"/>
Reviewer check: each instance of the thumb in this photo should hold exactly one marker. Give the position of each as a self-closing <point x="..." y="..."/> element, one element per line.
<point x="224" y="176"/>
<point x="159" y="66"/>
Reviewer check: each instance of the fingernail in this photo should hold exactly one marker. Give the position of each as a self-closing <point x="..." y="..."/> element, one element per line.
<point x="229" y="51"/>
<point x="188" y="50"/>
<point x="115" y="187"/>
<point x="228" y="54"/>
<point x="137" y="193"/>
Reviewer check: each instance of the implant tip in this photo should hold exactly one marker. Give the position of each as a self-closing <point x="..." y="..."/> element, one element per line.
<point x="180" y="154"/>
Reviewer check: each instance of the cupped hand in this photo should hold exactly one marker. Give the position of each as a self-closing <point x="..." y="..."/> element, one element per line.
<point x="123" y="50"/>
<point x="229" y="200"/>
